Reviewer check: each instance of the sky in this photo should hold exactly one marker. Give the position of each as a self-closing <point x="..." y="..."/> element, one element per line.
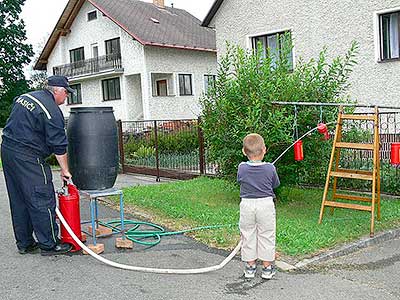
<point x="40" y="16"/>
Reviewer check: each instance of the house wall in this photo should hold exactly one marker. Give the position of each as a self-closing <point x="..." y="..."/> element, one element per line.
<point x="176" y="61"/>
<point x="84" y="34"/>
<point x="315" y="24"/>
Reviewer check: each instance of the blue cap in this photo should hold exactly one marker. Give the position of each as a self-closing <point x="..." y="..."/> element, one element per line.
<point x="60" y="81"/>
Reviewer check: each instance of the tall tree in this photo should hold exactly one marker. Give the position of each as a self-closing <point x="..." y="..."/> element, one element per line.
<point x="14" y="54"/>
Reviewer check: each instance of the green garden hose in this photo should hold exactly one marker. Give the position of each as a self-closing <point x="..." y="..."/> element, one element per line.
<point x="140" y="236"/>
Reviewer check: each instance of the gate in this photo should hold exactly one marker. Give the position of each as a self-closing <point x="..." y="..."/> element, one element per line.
<point x="163" y="148"/>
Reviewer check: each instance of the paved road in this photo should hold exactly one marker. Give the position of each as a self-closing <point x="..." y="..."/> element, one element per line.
<point x="372" y="273"/>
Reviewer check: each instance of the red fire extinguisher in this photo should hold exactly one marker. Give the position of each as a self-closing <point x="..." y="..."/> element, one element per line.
<point x="395" y="154"/>
<point x="68" y="201"/>
<point x="298" y="150"/>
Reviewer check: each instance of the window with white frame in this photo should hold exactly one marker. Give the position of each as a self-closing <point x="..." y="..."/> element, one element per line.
<point x="272" y="44"/>
<point x="389" y="35"/>
<point x="209" y="81"/>
<point x="111" y="89"/>
<point x="76" y="96"/>
<point x="185" y="85"/>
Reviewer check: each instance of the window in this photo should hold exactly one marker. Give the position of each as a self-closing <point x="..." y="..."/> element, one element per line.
<point x="113" y="47"/>
<point x="389" y="25"/>
<point x="209" y="81"/>
<point x="161" y="87"/>
<point x="185" y="85"/>
<point x="76" y="97"/>
<point x="111" y="89"/>
<point x="272" y="44"/>
<point x="92" y="15"/>
<point x="76" y="55"/>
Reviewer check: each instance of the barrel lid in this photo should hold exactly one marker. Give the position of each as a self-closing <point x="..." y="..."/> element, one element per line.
<point x="91" y="109"/>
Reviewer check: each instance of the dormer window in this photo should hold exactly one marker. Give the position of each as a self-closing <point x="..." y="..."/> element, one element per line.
<point x="92" y="15"/>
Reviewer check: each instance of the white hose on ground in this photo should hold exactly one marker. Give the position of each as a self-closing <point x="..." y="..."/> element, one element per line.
<point x="144" y="269"/>
<point x="164" y="271"/>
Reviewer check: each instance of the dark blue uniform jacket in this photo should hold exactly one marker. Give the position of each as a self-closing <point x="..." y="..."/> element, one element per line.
<point x="36" y="126"/>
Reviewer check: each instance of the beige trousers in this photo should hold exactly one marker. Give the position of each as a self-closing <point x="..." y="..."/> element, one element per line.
<point x="257" y="229"/>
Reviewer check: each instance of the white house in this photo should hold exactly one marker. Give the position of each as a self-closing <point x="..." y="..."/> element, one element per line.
<point x="146" y="60"/>
<point x="375" y="24"/>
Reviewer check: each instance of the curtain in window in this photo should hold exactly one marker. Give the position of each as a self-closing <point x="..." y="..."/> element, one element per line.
<point x="394" y="35"/>
<point x="272" y="41"/>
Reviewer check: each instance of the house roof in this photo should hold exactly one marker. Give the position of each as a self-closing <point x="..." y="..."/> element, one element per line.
<point x="148" y="24"/>
<point x="211" y="13"/>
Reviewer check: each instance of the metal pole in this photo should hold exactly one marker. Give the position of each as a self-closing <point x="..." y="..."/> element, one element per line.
<point x="332" y="104"/>
<point x="121" y="146"/>
<point x="156" y="146"/>
<point x="201" y="147"/>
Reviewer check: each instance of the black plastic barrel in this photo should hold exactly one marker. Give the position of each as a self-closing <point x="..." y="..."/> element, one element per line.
<point x="93" y="147"/>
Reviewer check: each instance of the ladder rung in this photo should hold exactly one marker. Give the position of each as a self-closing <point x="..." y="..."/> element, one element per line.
<point x="352" y="197"/>
<point x="352" y="175"/>
<point x="348" y="205"/>
<point x="358" y="117"/>
<point x="364" y="172"/>
<point x="355" y="146"/>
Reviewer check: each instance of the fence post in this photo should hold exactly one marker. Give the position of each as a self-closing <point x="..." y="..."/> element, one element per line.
<point x="121" y="147"/>
<point x="202" y="159"/>
<point x="156" y="146"/>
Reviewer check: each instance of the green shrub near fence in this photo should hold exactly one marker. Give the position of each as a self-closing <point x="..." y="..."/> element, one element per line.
<point x="171" y="142"/>
<point x="241" y="102"/>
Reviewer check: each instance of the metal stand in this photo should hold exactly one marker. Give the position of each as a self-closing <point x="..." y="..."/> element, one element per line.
<point x="93" y="195"/>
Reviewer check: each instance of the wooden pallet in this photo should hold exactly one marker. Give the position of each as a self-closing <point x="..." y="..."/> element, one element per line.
<point x="335" y="172"/>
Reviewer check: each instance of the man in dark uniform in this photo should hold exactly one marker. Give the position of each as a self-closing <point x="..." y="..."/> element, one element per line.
<point x="35" y="130"/>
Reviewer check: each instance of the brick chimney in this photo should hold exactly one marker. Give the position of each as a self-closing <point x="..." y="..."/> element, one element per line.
<point x="159" y="3"/>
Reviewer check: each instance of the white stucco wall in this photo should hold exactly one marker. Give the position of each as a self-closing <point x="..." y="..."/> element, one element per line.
<point x="138" y="64"/>
<point x="85" y="34"/>
<point x="176" y="61"/>
<point x="315" y="24"/>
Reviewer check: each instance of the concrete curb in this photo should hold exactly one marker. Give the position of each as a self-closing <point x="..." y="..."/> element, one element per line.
<point x="350" y="248"/>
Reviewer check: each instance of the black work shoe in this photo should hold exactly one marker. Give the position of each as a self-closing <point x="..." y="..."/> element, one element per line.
<point x="58" y="249"/>
<point x="30" y="249"/>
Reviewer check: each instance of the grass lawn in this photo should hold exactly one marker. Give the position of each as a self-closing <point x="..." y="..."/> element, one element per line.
<point x="204" y="201"/>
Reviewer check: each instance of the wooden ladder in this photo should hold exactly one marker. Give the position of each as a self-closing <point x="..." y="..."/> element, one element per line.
<point x="337" y="172"/>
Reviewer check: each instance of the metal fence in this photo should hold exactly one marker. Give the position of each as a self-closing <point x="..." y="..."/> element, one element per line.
<point x="164" y="148"/>
<point x="175" y="148"/>
<point x="313" y="170"/>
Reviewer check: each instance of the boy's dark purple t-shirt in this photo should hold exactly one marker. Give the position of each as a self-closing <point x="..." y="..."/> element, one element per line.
<point x="257" y="180"/>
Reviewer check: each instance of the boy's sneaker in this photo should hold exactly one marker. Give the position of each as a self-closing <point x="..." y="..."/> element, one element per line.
<point x="268" y="272"/>
<point x="250" y="271"/>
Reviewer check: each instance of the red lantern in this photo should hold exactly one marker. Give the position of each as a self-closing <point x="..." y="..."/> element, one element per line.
<point x="298" y="151"/>
<point x="395" y="154"/>
<point x="322" y="128"/>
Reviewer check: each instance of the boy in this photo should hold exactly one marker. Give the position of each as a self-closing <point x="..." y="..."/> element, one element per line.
<point x="257" y="180"/>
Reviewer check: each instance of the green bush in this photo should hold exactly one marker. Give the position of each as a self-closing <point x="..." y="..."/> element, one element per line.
<point x="240" y="102"/>
<point x="185" y="141"/>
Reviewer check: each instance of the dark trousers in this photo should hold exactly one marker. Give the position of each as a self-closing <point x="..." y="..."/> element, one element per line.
<point x="32" y="198"/>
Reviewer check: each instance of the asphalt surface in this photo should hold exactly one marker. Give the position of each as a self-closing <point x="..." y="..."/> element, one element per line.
<point x="371" y="273"/>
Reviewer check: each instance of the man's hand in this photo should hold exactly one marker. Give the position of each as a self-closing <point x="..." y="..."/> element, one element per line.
<point x="63" y="162"/>
<point x="65" y="175"/>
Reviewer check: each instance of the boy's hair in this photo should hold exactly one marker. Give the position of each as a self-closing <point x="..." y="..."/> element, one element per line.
<point x="253" y="145"/>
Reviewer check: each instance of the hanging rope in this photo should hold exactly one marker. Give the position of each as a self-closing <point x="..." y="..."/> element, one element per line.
<point x="295" y="127"/>
<point x="320" y="114"/>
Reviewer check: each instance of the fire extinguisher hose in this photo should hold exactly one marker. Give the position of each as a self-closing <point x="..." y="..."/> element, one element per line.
<point x="144" y="269"/>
